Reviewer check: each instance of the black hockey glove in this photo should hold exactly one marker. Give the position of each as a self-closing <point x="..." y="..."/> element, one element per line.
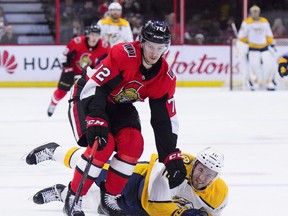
<point x="175" y="168"/>
<point x="97" y="127"/>
<point x="282" y="66"/>
<point x="194" y="212"/>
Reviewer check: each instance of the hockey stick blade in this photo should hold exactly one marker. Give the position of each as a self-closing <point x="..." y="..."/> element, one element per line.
<point x="85" y="173"/>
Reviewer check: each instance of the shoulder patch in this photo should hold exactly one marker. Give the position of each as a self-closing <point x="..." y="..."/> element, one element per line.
<point x="130" y="49"/>
<point x="77" y="40"/>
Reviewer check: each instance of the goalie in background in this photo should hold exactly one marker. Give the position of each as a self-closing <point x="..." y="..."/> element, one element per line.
<point x="203" y="192"/>
<point x="256" y="32"/>
<point x="283" y="65"/>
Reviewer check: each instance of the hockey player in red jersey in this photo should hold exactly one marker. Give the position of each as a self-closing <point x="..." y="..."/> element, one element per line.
<point x="80" y="52"/>
<point x="131" y="72"/>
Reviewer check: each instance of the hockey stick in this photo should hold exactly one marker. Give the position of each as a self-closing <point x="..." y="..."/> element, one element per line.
<point x="234" y="29"/>
<point x="85" y="173"/>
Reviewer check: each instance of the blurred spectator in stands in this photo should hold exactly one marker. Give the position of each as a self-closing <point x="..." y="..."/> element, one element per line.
<point x="224" y="9"/>
<point x="228" y="33"/>
<point x="175" y="29"/>
<point x="2" y="27"/>
<point x="130" y="7"/>
<point x="50" y="12"/>
<point x="103" y="7"/>
<point x="78" y="27"/>
<point x="211" y="29"/>
<point x="69" y="2"/>
<point x="3" y="22"/>
<point x="199" y="39"/>
<point x="193" y="24"/>
<point x="278" y="28"/>
<point x="9" y="37"/>
<point x="88" y="13"/>
<point x="68" y="12"/>
<point x="136" y="22"/>
<point x="66" y="27"/>
<point x="2" y="14"/>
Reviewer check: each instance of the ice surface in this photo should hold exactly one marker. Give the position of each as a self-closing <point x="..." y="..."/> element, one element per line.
<point x="250" y="128"/>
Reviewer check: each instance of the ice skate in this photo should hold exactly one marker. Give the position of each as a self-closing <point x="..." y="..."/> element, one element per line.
<point x="70" y="210"/>
<point x="108" y="204"/>
<point x="271" y="86"/>
<point x="253" y="85"/>
<point x="41" y="153"/>
<point x="49" y="194"/>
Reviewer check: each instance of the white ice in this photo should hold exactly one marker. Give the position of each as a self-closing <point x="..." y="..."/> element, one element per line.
<point x="250" y="128"/>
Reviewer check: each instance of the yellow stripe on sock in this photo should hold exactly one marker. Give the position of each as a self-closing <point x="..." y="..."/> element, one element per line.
<point x="68" y="156"/>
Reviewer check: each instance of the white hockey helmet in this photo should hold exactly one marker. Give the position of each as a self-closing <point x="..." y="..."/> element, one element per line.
<point x="115" y="6"/>
<point x="212" y="159"/>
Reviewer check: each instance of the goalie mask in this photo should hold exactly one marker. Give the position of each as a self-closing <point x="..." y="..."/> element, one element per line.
<point x="255" y="12"/>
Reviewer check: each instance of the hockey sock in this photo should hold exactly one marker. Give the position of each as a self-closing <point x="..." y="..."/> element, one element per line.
<point x="57" y="96"/>
<point x="67" y="155"/>
<point x="118" y="174"/>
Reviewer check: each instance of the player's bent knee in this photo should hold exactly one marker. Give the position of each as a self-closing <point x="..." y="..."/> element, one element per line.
<point x="129" y="142"/>
<point x="102" y="156"/>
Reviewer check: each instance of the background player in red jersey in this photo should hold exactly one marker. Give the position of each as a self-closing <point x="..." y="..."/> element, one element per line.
<point x="80" y="52"/>
<point x="131" y="72"/>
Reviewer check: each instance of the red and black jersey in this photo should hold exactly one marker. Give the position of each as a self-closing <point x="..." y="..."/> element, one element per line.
<point x="121" y="78"/>
<point x="80" y="54"/>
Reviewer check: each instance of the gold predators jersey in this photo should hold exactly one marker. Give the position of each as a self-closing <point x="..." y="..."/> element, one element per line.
<point x="115" y="32"/>
<point x="257" y="33"/>
<point x="158" y="199"/>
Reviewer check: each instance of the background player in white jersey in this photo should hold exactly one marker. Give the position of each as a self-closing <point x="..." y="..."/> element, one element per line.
<point x="283" y="65"/>
<point x="256" y="32"/>
<point x="115" y="29"/>
<point x="147" y="192"/>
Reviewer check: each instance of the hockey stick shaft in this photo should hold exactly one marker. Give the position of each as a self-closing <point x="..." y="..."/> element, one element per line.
<point x="85" y="173"/>
<point x="234" y="29"/>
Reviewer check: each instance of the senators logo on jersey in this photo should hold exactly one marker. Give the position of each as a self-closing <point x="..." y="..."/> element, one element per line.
<point x="129" y="93"/>
<point x="84" y="61"/>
